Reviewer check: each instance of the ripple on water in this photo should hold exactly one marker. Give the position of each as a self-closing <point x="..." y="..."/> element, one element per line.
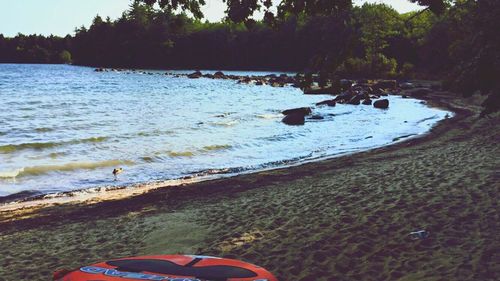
<point x="44" y="130"/>
<point x="11" y="148"/>
<point x="68" y="167"/>
<point x="170" y="127"/>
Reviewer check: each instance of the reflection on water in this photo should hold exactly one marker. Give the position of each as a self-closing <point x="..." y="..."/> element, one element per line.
<point x="65" y="127"/>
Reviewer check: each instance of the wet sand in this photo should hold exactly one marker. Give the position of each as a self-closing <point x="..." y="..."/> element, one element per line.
<point x="346" y="218"/>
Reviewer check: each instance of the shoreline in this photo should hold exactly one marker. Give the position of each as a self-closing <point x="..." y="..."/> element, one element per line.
<point x="31" y="205"/>
<point x="345" y="218"/>
<point x="99" y="194"/>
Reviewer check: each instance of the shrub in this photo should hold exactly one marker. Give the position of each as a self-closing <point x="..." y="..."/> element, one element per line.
<point x="65" y="57"/>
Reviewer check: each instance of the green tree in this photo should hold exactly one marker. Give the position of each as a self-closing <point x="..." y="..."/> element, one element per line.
<point x="65" y="57"/>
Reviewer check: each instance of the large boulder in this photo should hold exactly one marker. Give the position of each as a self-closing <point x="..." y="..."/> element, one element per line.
<point x="219" y="74"/>
<point x="294" y="119"/>
<point x="301" y="110"/>
<point x="296" y="116"/>
<point x="196" y="74"/>
<point x="327" y="102"/>
<point x="382" y="104"/>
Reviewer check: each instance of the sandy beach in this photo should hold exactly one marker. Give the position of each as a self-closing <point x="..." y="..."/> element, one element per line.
<point x="345" y="218"/>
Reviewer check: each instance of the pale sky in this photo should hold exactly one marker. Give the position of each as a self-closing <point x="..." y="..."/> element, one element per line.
<point x="60" y="17"/>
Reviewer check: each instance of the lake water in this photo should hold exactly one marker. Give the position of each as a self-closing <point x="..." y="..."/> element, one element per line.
<point x="65" y="127"/>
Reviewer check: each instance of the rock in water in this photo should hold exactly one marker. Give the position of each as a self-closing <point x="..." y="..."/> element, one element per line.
<point x="294" y="119"/>
<point x="194" y="75"/>
<point x="355" y="100"/>
<point x="296" y="116"/>
<point x="367" y="102"/>
<point x="316" y="117"/>
<point x="301" y="110"/>
<point x="383" y="104"/>
<point x="327" y="102"/>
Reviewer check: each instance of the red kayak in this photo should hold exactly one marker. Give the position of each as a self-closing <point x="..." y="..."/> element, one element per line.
<point x="168" y="268"/>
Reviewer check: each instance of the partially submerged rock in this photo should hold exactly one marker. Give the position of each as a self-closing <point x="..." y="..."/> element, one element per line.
<point x="382" y="104"/>
<point x="294" y="119"/>
<point x="367" y="102"/>
<point x="195" y="75"/>
<point x="296" y="116"/>
<point x="301" y="110"/>
<point x="355" y="100"/>
<point x="316" y="117"/>
<point x="219" y="75"/>
<point x="327" y="102"/>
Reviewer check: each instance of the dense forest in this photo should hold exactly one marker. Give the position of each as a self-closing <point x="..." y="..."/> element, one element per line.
<point x="457" y="41"/>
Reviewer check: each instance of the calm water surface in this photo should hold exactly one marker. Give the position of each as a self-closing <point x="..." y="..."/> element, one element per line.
<point x="66" y="127"/>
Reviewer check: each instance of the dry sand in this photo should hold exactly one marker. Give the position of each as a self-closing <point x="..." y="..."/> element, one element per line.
<point x="346" y="218"/>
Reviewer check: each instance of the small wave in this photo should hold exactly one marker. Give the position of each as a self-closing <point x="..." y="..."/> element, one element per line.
<point x="235" y="170"/>
<point x="10" y="174"/>
<point x="340" y="114"/>
<point x="180" y="153"/>
<point x="403" y="137"/>
<point x="154" y="133"/>
<point x="55" y="155"/>
<point x="216" y="147"/>
<point x="43" y="130"/>
<point x="34" y="145"/>
<point x="229" y="123"/>
<point x="149" y="159"/>
<point x="225" y="114"/>
<point x="427" y="119"/>
<point x="218" y="171"/>
<point x="45" y="169"/>
<point x="9" y="148"/>
<point x="158" y="156"/>
<point x="34" y="102"/>
<point x="269" y="116"/>
<point x="282" y="137"/>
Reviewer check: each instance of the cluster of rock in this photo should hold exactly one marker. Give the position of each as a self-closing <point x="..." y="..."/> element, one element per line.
<point x="352" y="92"/>
<point x="127" y="71"/>
<point x="355" y="93"/>
<point x="271" y="79"/>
